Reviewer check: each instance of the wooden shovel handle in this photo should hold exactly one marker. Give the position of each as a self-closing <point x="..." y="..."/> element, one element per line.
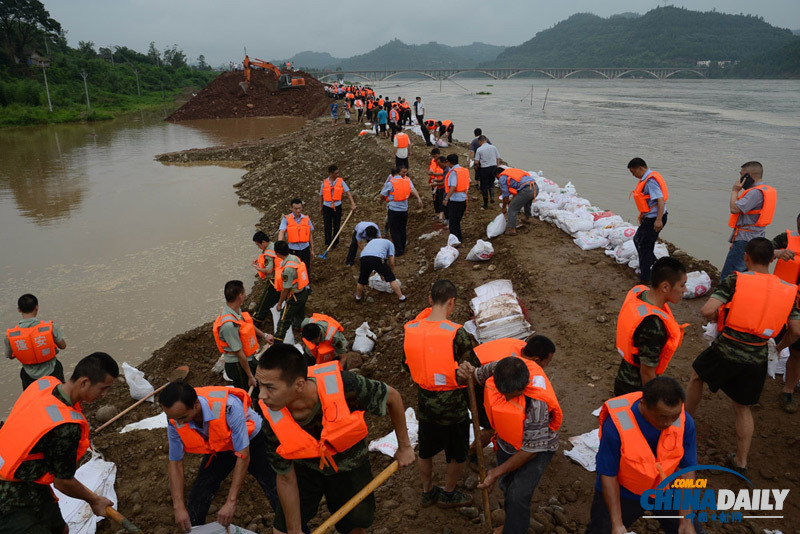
<point x="128" y="409"/>
<point x="114" y="515"/>
<point x="476" y="427"/>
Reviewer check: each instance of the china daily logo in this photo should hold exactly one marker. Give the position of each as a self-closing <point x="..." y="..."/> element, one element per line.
<point x="674" y="494"/>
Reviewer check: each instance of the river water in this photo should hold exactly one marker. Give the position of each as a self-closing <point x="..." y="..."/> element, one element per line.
<point x="122" y="251"/>
<point x="696" y="133"/>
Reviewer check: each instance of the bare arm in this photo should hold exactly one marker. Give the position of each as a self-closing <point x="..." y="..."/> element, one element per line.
<point x="659" y="222"/>
<point x="792" y="334"/>
<point x="394" y="405"/>
<point x="225" y="514"/>
<point x="610" y="487"/>
<point x="289" y="496"/>
<point x="281" y="235"/>
<point x="61" y="344"/>
<point x="647" y="373"/>
<point x="176" y="489"/>
<point x="390" y="261"/>
<point x="416" y="194"/>
<point x="519" y="459"/>
<point x="737" y="187"/>
<point x="352" y="202"/>
<point x="73" y="488"/>
<point x="251" y="380"/>
<point x="709" y="309"/>
<point x="685" y="525"/>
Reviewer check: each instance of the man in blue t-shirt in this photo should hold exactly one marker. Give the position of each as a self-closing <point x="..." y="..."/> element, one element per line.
<point x="377" y="256"/>
<point x="614" y="507"/>
<point x="383" y="119"/>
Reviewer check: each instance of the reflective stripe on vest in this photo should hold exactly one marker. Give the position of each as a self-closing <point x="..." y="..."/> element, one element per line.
<point x="298" y="232"/>
<point x="33" y="344"/>
<point x="640" y="199"/>
<point x="760" y="305"/>
<point x="789" y="270"/>
<point x="219" y="434"/>
<point x="428" y="347"/>
<point x="765" y="213"/>
<point x="324" y="351"/>
<point x="301" y="280"/>
<point x="332" y="192"/>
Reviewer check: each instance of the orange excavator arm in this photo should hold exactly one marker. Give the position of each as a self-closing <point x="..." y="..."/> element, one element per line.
<point x="266" y="65"/>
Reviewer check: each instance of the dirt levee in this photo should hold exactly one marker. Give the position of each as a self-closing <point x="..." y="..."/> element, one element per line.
<point x="223" y="98"/>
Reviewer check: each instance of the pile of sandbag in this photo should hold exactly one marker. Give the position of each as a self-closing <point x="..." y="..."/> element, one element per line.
<point x="497" y="312"/>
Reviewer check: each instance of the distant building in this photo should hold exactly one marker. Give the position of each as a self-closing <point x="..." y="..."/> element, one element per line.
<point x="704" y="63"/>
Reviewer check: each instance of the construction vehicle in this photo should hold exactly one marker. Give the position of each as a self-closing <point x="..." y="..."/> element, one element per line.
<point x="285" y="81"/>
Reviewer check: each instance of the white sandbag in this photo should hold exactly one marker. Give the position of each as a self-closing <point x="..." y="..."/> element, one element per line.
<point x="365" y="339"/>
<point x="482" y="251"/>
<point x="497" y="226"/>
<point x="99" y="476"/>
<point x="660" y="251"/>
<point x="710" y="332"/>
<point x="625" y="252"/>
<point x="140" y="388"/>
<point x="216" y="528"/>
<point x="697" y="284"/>
<point x="572" y="223"/>
<point x="430" y="234"/>
<point x="219" y="366"/>
<point x="445" y="258"/>
<point x="608" y="222"/>
<point x="388" y="444"/>
<point x="575" y="203"/>
<point x="590" y="240"/>
<point x="150" y="423"/>
<point x="634" y="264"/>
<point x="545" y="185"/>
<point x="570" y="189"/>
<point x="276" y="317"/>
<point x="441" y="143"/>
<point x="453" y="241"/>
<point x="620" y="234"/>
<point x="584" y="449"/>
<point x="377" y="284"/>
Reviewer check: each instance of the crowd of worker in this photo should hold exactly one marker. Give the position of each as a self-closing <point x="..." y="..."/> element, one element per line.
<point x="294" y="419"/>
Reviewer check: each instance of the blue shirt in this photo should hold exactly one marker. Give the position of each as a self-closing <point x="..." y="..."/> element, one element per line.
<point x="654" y="190"/>
<point x="383" y="117"/>
<point x="234" y="419"/>
<point x="387" y="191"/>
<point x="452" y="180"/>
<point x="334" y="109"/>
<point x="296" y="246"/>
<point x="337" y="202"/>
<point x="608" y="455"/>
<point x="361" y="230"/>
<point x="505" y="181"/>
<point x="378" y="247"/>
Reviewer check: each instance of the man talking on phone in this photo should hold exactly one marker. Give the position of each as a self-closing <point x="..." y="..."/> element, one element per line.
<point x="752" y="207"/>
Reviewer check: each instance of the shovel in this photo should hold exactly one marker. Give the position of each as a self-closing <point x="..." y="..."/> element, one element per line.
<point x="476" y="427"/>
<point x="178" y="374"/>
<point x="324" y="254"/>
<point x="119" y="518"/>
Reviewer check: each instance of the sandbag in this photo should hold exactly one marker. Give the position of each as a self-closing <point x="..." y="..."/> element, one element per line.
<point x="620" y="234"/>
<point x="365" y="339"/>
<point x="660" y="251"/>
<point x="445" y="258"/>
<point x="697" y="284"/>
<point x="602" y="215"/>
<point x="377" y="284"/>
<point x="625" y="252"/>
<point x="497" y="226"/>
<point x="140" y="388"/>
<point x="452" y="241"/>
<point x="590" y="240"/>
<point x="441" y="143"/>
<point x="482" y="251"/>
<point x="611" y="221"/>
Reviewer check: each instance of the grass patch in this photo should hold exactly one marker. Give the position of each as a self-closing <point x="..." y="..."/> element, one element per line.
<point x="483" y="93"/>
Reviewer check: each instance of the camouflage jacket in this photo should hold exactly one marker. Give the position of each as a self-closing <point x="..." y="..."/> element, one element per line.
<point x="649" y="338"/>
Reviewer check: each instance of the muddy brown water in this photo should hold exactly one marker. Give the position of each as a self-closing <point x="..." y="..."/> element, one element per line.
<point x="122" y="251"/>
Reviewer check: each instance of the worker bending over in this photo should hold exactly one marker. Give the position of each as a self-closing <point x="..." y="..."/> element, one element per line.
<point x="265" y="266"/>
<point x="787" y="268"/>
<point x="294" y="290"/>
<point x="323" y="340"/>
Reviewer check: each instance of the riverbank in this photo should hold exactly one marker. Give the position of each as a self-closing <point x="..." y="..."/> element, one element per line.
<point x="572" y="296"/>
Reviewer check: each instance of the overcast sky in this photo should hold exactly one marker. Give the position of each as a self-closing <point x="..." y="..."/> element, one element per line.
<point x="278" y="29"/>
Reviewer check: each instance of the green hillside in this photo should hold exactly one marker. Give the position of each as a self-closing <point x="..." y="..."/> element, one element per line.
<point x="398" y="55"/>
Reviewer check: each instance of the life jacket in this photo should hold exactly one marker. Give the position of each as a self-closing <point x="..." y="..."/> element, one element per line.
<point x="349" y="95"/>
<point x="262" y="261"/>
<point x="332" y="192"/>
<point x="638" y="193"/>
<point x="766" y="211"/>
<point x="36" y="413"/>
<point x="446" y="124"/>
<point x="638" y="467"/>
<point x="428" y="347"/>
<point x="406" y="105"/>
<point x="492" y="351"/>
<point x="633" y="312"/>
<point x="341" y="428"/>
<point x="298" y="232"/>
<point x="760" y="305"/>
<point x="393" y="115"/>
<point x="380" y="102"/>
<point x="370" y="105"/>
<point x="247" y="333"/>
<point x="302" y="274"/>
<point x="324" y="351"/>
<point x="789" y="270"/>
<point x="517" y="175"/>
<point x="437" y="180"/>
<point x="219" y="435"/>
<point x="401" y="189"/>
<point x="32" y="344"/>
<point x="430" y="124"/>
<point x="402" y="140"/>
<point x="359" y="104"/>
<point x="462" y="179"/>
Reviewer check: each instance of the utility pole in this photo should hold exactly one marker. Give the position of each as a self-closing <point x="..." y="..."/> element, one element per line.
<point x="111" y="51"/>
<point x="47" y="89"/>
<point x="84" y="75"/>
<point x="136" y="72"/>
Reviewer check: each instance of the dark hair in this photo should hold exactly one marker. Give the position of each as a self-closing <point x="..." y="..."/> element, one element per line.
<point x="663" y="388"/>
<point x="511" y="375"/>
<point x="436" y="152"/>
<point x="482" y="138"/>
<point x="371" y="232"/>
<point x="296" y="200"/>
<point x="755" y="169"/>
<point x="452" y="158"/>
<point x="27" y="303"/>
<point x="667" y="269"/>
<point x="288" y="359"/>
<point x="394" y="171"/>
<point x="233" y="288"/>
<point x="332" y="168"/>
<point x="96" y="367"/>
<point x="539" y="347"/>
<point x="399" y="127"/>
<point x="477" y="132"/>
<point x="441" y="159"/>
<point x="282" y="248"/>
<point x="636" y="163"/>
<point x="443" y="290"/>
<point x="498" y="170"/>
<point x="260" y="237"/>
<point x="760" y="250"/>
<point x="311" y="331"/>
<point x="178" y="391"/>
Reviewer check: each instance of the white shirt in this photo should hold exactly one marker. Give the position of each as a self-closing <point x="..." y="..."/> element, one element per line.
<point x="420" y="108"/>
<point x="487" y="155"/>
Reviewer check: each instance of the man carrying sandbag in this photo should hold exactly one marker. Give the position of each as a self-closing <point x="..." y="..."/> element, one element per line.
<point x="519" y="190"/>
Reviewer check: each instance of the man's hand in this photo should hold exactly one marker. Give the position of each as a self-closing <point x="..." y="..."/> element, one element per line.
<point x="225" y="514"/>
<point x="251" y="381"/>
<point x="182" y="519"/>
<point x="505" y="210"/>
<point x="464" y="371"/>
<point x="784" y="254"/>
<point x="99" y="506"/>
<point x="619" y="529"/>
<point x="488" y="482"/>
<point x="269" y="339"/>
<point x="738" y="185"/>
<point x="444" y="201"/>
<point x="405" y="455"/>
<point x="279" y="305"/>
<point x="685" y="527"/>
<point x="639" y="219"/>
<point x="352" y="207"/>
<point x="658" y="225"/>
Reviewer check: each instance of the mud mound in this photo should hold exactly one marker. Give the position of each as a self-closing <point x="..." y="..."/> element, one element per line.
<point x="223" y="98"/>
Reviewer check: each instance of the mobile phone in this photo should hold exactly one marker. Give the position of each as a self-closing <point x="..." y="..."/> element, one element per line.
<point x="748" y="181"/>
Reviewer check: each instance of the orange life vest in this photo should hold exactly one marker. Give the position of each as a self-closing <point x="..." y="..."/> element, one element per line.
<point x="430" y="124"/>
<point x="262" y="261"/>
<point x="406" y="105"/>
<point x="437" y="180"/>
<point x="789" y="270"/>
<point x="492" y="351"/>
<point x="219" y="435"/>
<point x="462" y="179"/>
<point x="638" y="467"/>
<point x="428" y="346"/>
<point x="302" y="274"/>
<point x="638" y="193"/>
<point x="446" y="124"/>
<point x="632" y="313"/>
<point x="341" y="428"/>
<point x="760" y="305"/>
<point x="332" y="192"/>
<point x="401" y="189"/>
<point x="402" y="140"/>
<point x="33" y="344"/>
<point x="517" y="175"/>
<point x="247" y="333"/>
<point x="380" y="102"/>
<point x="393" y="115"/>
<point x="370" y="105"/>
<point x="359" y="104"/>
<point x="324" y="351"/>
<point x="36" y="413"/>
<point x="767" y="208"/>
<point x="298" y="232"/>
<point x="349" y="95"/>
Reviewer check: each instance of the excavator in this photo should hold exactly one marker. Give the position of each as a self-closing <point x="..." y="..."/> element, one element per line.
<point x="285" y="81"/>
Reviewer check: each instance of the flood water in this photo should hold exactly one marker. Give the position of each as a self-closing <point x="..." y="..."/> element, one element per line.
<point x="122" y="251"/>
<point x="696" y="133"/>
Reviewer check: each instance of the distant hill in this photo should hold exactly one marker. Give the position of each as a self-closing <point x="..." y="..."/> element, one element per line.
<point x="665" y="36"/>
<point x="796" y="32"/>
<point x="314" y="60"/>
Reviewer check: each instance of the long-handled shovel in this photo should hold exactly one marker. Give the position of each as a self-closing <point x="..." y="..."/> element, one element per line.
<point x="476" y="426"/>
<point x="325" y="254"/>
<point x="178" y="374"/>
<point x="357" y="498"/>
<point x="119" y="518"/>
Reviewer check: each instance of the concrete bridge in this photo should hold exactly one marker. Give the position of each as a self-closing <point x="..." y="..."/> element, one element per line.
<point x="659" y="73"/>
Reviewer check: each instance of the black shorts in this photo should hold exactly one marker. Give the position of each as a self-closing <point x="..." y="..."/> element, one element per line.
<point x="374" y="263"/>
<point x="794" y="346"/>
<point x="382" y="127"/>
<point x="742" y="382"/>
<point x="483" y="419"/>
<point x="43" y="518"/>
<point x="452" y="439"/>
